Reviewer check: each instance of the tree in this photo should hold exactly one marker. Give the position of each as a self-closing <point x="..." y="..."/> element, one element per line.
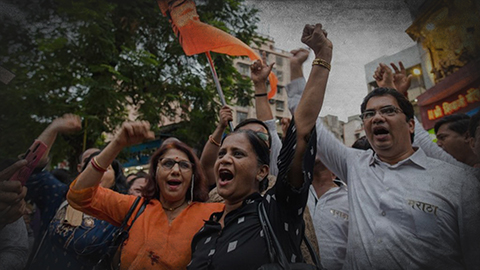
<point x="96" y="58"/>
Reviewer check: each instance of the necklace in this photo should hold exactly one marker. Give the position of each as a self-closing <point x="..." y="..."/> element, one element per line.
<point x="173" y="208"/>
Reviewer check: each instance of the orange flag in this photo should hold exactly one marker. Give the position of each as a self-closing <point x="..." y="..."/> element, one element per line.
<point x="198" y="37"/>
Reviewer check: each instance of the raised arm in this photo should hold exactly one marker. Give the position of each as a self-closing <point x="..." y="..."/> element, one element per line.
<point x="312" y="98"/>
<point x="299" y="56"/>
<point x="259" y="74"/>
<point x="129" y="134"/>
<point x="210" y="150"/>
<point x="297" y="81"/>
<point x="66" y="124"/>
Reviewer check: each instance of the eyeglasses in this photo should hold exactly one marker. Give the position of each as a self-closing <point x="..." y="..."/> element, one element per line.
<point x="384" y="111"/>
<point x="168" y="163"/>
<point x="263" y="136"/>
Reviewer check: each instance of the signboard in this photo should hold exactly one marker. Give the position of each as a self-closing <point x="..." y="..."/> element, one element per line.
<point x="457" y="93"/>
<point x="459" y="103"/>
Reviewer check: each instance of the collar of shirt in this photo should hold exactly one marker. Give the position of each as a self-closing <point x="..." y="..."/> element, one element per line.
<point x="339" y="183"/>
<point x="418" y="157"/>
<point x="249" y="200"/>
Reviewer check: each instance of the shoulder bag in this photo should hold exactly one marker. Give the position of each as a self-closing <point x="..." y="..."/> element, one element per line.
<point x="106" y="262"/>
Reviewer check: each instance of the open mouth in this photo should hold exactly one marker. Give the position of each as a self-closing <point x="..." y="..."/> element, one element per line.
<point x="174" y="182"/>
<point x="225" y="175"/>
<point x="379" y="130"/>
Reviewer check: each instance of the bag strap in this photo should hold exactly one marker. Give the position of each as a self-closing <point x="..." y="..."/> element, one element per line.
<point x="130" y="212"/>
<point x="269" y="233"/>
<point x="122" y="234"/>
<point x="271" y="251"/>
<point x="272" y="239"/>
<point x="313" y="254"/>
<point x="140" y="211"/>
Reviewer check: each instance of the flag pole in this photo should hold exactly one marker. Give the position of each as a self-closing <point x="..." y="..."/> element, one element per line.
<point x="217" y="84"/>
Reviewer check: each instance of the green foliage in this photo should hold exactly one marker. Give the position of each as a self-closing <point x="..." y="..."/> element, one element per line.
<point x="95" y="58"/>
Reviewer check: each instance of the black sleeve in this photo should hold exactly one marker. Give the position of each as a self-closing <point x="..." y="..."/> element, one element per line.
<point x="284" y="203"/>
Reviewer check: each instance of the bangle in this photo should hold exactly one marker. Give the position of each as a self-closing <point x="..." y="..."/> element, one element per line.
<point x="261" y="95"/>
<point x="97" y="166"/>
<point x="321" y="62"/>
<point x="210" y="138"/>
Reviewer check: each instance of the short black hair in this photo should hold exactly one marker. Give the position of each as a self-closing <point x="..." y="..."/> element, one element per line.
<point x="402" y="101"/>
<point x="474" y="123"/>
<point x="63" y="176"/>
<point x="456" y="122"/>
<point x="255" y="121"/>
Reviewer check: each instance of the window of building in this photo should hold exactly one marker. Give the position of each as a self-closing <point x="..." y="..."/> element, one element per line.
<point x="280" y="105"/>
<point x="244" y="69"/>
<point x="241" y="116"/>
<point x="280" y="89"/>
<point x="279" y="74"/>
<point x="372" y="86"/>
<point x="279" y="61"/>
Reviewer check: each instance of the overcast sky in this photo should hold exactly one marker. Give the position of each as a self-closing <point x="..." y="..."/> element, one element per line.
<point x="360" y="31"/>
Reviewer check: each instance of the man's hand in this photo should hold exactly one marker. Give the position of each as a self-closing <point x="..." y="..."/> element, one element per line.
<point x="299" y="56"/>
<point x="297" y="59"/>
<point x="12" y="193"/>
<point x="260" y="70"/>
<point x="132" y="133"/>
<point x="225" y="116"/>
<point x="316" y="38"/>
<point x="400" y="78"/>
<point x="386" y="78"/>
<point x="383" y="76"/>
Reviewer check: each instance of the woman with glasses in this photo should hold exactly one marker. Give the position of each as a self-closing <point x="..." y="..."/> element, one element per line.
<point x="161" y="236"/>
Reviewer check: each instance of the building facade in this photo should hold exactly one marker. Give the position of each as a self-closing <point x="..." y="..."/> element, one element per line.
<point x="353" y="130"/>
<point x="449" y="32"/>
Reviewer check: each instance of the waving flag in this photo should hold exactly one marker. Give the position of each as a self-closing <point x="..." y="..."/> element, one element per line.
<point x="197" y="37"/>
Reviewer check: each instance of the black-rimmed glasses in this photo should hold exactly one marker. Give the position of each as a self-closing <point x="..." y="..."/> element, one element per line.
<point x="168" y="163"/>
<point x="384" y="111"/>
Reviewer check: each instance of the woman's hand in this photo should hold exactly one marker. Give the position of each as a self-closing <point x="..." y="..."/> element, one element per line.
<point x="132" y="133"/>
<point x="260" y="70"/>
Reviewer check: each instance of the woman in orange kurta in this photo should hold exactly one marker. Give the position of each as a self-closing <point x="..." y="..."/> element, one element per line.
<point x="161" y="236"/>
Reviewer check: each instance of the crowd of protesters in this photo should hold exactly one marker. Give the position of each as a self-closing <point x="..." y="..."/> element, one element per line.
<point x="395" y="200"/>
